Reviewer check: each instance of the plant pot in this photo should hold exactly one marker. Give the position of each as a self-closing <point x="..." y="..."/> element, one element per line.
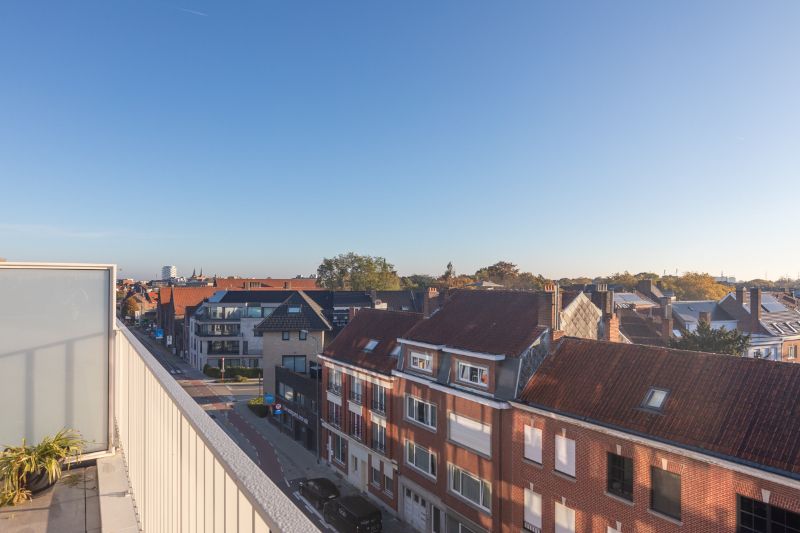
<point x="38" y="481"/>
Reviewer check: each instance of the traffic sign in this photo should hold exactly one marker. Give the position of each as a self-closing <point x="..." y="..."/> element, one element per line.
<point x="278" y="409"/>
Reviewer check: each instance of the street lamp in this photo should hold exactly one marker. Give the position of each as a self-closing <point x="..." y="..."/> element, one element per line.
<point x="317" y="385"/>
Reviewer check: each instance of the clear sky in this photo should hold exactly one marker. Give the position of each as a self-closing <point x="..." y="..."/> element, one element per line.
<point x="256" y="137"/>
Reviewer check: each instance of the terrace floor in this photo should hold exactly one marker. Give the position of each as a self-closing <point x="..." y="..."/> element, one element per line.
<point x="71" y="505"/>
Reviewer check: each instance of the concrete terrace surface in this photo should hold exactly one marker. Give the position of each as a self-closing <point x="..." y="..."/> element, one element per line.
<point x="70" y="506"/>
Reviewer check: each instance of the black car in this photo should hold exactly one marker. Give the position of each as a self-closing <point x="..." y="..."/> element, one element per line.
<point x="318" y="491"/>
<point x="353" y="514"/>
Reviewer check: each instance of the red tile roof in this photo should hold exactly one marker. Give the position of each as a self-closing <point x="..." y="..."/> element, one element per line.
<point x="183" y="297"/>
<point x="740" y="408"/>
<point x="165" y="295"/>
<point x="495" y="322"/>
<point x="277" y="283"/>
<point x="383" y="326"/>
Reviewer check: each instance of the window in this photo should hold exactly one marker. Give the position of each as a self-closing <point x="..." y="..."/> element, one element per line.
<point x="314" y="370"/>
<point x="335" y="381"/>
<point x="297" y="363"/>
<point x="421" y="361"/>
<point x="760" y="517"/>
<point x="335" y="414"/>
<point x="421" y="412"/>
<point x="387" y="485"/>
<point x="792" y="352"/>
<point x="377" y="477"/>
<point x="421" y="458"/>
<point x="565" y="455"/>
<point x="473" y="374"/>
<point x="533" y="444"/>
<point x="565" y="519"/>
<point x="655" y="399"/>
<point x="356" y="389"/>
<point x="665" y="492"/>
<point x="378" y="436"/>
<point x="302" y="335"/>
<point x="339" y="445"/>
<point x="285" y="335"/>
<point x="285" y="391"/>
<point x="370" y="345"/>
<point x="470" y="433"/>
<point x="293" y="309"/>
<point x="396" y="351"/>
<point x="356" y="425"/>
<point x="470" y="487"/>
<point x="620" y="476"/>
<point x="379" y="398"/>
<point x="299" y="398"/>
<point x="532" y="520"/>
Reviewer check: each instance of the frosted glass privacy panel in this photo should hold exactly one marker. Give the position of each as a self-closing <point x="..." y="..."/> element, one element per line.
<point x="54" y="352"/>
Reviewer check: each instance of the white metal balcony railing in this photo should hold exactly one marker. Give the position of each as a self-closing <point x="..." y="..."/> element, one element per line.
<point x="186" y="474"/>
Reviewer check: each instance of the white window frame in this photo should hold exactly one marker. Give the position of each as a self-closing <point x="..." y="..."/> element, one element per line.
<point x="533" y="444"/>
<point x="532" y="516"/>
<point x="569" y="514"/>
<point x="482" y="371"/>
<point x="565" y="456"/>
<point x="428" y="409"/>
<point x="411" y="448"/>
<point x="469" y="433"/>
<point x="456" y="473"/>
<point x="415" y="358"/>
<point x="371" y="345"/>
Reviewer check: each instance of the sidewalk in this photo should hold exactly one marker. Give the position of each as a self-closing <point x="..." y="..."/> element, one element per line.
<point x="296" y="463"/>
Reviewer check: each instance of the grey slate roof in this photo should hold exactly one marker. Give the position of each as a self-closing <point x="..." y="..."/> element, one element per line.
<point x="689" y="311"/>
<point x="309" y="317"/>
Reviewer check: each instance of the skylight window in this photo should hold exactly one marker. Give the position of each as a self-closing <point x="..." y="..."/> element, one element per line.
<point x="654" y="399"/>
<point x="778" y="328"/>
<point x="396" y="350"/>
<point x="370" y="345"/>
<point x="294" y="309"/>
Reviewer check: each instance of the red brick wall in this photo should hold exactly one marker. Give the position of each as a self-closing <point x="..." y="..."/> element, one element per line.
<point x="486" y="468"/>
<point x="708" y="492"/>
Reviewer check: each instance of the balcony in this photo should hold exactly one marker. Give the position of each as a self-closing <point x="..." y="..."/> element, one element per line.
<point x="82" y="369"/>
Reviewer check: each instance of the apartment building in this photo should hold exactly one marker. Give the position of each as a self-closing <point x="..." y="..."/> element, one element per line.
<point x="358" y="430"/>
<point x="175" y="306"/>
<point x="292" y="335"/>
<point x="617" y="437"/>
<point x="224" y="326"/>
<point x="457" y="372"/>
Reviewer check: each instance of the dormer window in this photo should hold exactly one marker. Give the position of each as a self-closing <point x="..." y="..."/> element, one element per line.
<point x="421" y="361"/>
<point x="293" y="309"/>
<point x="655" y="399"/>
<point x="370" y="345"/>
<point x="473" y="374"/>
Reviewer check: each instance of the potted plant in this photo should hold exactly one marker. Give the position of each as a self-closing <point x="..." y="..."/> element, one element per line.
<point x="26" y="470"/>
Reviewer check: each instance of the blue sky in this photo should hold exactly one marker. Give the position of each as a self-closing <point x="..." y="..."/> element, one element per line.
<point x="257" y="137"/>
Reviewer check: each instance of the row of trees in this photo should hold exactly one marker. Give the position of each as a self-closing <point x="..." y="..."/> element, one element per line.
<point x="356" y="272"/>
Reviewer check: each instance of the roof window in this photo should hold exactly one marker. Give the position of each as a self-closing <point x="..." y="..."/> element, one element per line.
<point x="293" y="309"/>
<point x="370" y="345"/>
<point x="655" y="398"/>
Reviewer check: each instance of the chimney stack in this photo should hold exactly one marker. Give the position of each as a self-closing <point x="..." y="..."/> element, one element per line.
<point x="430" y="294"/>
<point x="705" y="316"/>
<point x="740" y="291"/>
<point x="755" y="310"/>
<point x="549" y="308"/>
<point x="351" y="313"/>
<point x="666" y="318"/>
<point x="645" y="286"/>
<point x="604" y="300"/>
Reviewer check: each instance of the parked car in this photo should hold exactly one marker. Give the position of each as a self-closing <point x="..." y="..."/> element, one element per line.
<point x="353" y="514"/>
<point x="318" y="491"/>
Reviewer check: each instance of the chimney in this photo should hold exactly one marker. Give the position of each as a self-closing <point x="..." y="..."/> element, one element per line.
<point x="645" y="286"/>
<point x="549" y="309"/>
<point x="666" y="318"/>
<point x="430" y="294"/>
<point x="287" y="285"/>
<point x="740" y="291"/>
<point x="351" y="313"/>
<point x="373" y="295"/>
<point x="604" y="300"/>
<point x="755" y="310"/>
<point x="705" y="316"/>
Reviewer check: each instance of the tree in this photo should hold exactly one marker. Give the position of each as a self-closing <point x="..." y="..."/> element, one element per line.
<point x="695" y="286"/>
<point x="355" y="272"/>
<point x="706" y="339"/>
<point x="418" y="281"/>
<point x="129" y="307"/>
<point x="508" y="275"/>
